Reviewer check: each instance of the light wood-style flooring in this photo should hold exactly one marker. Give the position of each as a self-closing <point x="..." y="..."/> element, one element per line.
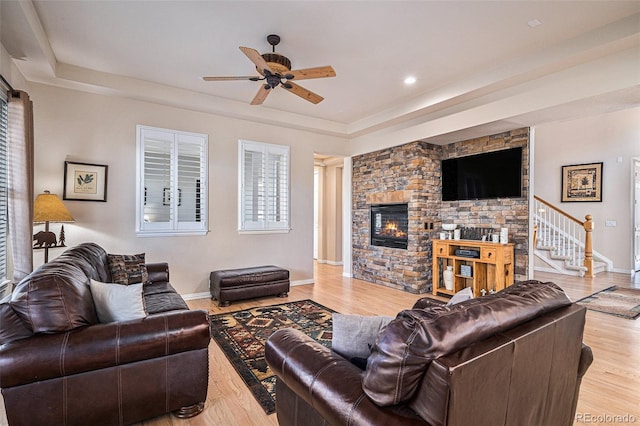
<point x="610" y="388"/>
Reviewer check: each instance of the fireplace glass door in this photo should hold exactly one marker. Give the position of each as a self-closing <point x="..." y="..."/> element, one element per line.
<point x="389" y="225"/>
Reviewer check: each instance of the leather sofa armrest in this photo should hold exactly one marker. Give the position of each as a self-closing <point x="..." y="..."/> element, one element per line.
<point x="47" y="356"/>
<point x="158" y="272"/>
<point x="326" y="381"/>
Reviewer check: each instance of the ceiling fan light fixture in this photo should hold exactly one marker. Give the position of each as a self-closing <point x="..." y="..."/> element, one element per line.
<point x="278" y="63"/>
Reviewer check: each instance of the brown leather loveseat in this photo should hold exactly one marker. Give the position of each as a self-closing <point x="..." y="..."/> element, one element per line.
<point x="60" y="366"/>
<point x="513" y="358"/>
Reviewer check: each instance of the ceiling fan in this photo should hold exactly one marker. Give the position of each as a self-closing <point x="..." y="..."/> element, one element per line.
<point x="275" y="70"/>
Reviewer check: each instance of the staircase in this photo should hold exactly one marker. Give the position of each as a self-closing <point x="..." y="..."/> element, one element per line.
<point x="564" y="243"/>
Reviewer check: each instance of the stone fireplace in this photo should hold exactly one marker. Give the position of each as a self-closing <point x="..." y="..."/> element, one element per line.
<point x="407" y="176"/>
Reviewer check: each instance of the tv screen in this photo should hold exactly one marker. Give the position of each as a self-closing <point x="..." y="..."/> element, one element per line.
<point x="496" y="174"/>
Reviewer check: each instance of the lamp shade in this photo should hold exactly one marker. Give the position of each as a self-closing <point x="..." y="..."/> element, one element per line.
<point x="49" y="208"/>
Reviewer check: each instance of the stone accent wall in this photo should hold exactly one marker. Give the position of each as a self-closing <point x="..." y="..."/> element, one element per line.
<point x="412" y="173"/>
<point x="408" y="173"/>
<point x="512" y="213"/>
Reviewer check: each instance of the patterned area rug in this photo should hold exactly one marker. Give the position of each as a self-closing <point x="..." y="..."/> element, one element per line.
<point x="619" y="301"/>
<point x="242" y="335"/>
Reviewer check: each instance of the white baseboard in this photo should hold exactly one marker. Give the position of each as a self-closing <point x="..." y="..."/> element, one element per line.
<point x="623" y="271"/>
<point x="303" y="282"/>
<point x="330" y="262"/>
<point x="195" y="296"/>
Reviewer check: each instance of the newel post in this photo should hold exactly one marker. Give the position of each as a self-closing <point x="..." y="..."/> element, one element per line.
<point x="588" y="245"/>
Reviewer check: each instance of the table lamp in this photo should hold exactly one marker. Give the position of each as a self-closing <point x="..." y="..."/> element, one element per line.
<point x="49" y="208"/>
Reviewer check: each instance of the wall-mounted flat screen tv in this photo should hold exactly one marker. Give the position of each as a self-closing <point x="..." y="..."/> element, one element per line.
<point x="496" y="174"/>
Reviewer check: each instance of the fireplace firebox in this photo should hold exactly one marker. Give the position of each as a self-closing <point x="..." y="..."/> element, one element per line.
<point x="390" y="225"/>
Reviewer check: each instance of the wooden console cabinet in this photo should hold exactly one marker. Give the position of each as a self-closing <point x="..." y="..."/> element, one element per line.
<point x="491" y="270"/>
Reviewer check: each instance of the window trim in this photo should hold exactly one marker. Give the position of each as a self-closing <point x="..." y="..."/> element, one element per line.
<point x="176" y="227"/>
<point x="266" y="228"/>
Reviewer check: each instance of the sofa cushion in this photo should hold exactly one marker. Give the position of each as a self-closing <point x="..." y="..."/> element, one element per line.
<point x="89" y="257"/>
<point x="353" y="336"/>
<point x="116" y="302"/>
<point x="54" y="298"/>
<point x="11" y="326"/>
<point x="408" y="344"/>
<point x="128" y="269"/>
<point x="161" y="297"/>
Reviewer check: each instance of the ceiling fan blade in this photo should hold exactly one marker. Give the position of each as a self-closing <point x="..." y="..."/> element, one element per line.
<point x="317" y="72"/>
<point x="256" y="58"/>
<point x="303" y="93"/>
<point x="259" y="98"/>
<point x="228" y="78"/>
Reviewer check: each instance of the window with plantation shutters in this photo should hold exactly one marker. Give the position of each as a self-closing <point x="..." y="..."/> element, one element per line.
<point x="3" y="194"/>
<point x="172" y="182"/>
<point x="263" y="187"/>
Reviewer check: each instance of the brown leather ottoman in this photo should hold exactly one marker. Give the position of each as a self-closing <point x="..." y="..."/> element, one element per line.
<point x="246" y="283"/>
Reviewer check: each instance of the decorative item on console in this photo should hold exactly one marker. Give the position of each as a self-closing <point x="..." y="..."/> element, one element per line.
<point x="448" y="227"/>
<point x="483" y="233"/>
<point x="480" y="233"/>
<point x="447" y="276"/>
<point x="504" y="235"/>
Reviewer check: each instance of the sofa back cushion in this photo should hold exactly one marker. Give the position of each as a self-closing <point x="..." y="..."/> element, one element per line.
<point x="404" y="350"/>
<point x="56" y="297"/>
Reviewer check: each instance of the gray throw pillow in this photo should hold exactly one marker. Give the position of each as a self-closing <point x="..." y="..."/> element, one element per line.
<point x="117" y="302"/>
<point x="461" y="296"/>
<point x="354" y="335"/>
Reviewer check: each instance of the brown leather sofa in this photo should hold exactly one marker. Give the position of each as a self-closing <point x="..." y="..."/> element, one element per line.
<point x="513" y="358"/>
<point x="60" y="366"/>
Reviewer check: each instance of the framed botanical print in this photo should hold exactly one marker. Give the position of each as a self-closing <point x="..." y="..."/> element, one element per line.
<point x="582" y="182"/>
<point x="85" y="181"/>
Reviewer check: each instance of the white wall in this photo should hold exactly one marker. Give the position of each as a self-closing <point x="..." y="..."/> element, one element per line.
<point x="613" y="139"/>
<point x="78" y="126"/>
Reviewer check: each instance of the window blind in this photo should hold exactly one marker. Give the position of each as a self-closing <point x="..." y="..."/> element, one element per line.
<point x="173" y="181"/>
<point x="264" y="187"/>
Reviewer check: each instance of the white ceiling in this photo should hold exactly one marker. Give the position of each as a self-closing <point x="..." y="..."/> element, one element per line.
<point x="458" y="51"/>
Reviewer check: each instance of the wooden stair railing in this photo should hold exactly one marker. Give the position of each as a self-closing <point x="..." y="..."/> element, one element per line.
<point x="564" y="221"/>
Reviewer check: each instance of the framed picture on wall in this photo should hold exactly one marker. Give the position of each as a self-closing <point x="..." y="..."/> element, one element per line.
<point x="582" y="182"/>
<point x="85" y="182"/>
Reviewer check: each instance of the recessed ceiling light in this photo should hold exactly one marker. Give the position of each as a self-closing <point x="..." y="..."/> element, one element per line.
<point x="409" y="80"/>
<point x="534" y="23"/>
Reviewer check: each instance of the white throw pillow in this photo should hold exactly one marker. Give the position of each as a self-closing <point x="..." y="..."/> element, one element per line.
<point x="117" y="302"/>
<point x="354" y="335"/>
<point x="461" y="296"/>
